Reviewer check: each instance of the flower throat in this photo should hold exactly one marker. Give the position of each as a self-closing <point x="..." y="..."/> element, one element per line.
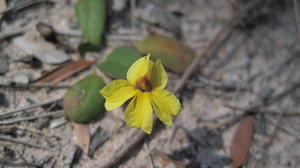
<point x="144" y="84"/>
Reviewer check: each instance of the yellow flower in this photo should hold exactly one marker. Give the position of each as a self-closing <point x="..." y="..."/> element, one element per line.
<point x="145" y="84"/>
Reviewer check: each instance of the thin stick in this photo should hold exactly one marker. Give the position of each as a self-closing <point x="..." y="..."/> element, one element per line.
<point x="284" y="130"/>
<point x="268" y="112"/>
<point x="150" y="158"/>
<point x="15" y="164"/>
<point x="279" y="96"/>
<point x="22" y="5"/>
<point x="38" y="86"/>
<point x="295" y="2"/>
<point x="7" y="122"/>
<point x="208" y="83"/>
<point x="7" y="35"/>
<point x="135" y="138"/>
<point x="211" y="46"/>
<point x="9" y="112"/>
<point x="255" y="107"/>
<point x="4" y="138"/>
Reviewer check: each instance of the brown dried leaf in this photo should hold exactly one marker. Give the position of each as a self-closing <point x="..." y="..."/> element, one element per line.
<point x="81" y="133"/>
<point x="65" y="71"/>
<point x="241" y="142"/>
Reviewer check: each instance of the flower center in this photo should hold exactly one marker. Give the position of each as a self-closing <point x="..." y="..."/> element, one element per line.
<point x="144" y="84"/>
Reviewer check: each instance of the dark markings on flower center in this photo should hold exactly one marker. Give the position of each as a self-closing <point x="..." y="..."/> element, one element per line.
<point x="144" y="84"/>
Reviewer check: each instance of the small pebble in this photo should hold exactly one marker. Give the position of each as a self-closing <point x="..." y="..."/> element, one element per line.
<point x="21" y="78"/>
<point x="43" y="50"/>
<point x="118" y="5"/>
<point x="57" y="123"/>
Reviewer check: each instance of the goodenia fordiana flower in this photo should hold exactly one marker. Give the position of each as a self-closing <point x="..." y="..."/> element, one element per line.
<point x="145" y="84"/>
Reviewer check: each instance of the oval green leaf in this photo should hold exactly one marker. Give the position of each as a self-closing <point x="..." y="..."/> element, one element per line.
<point x="83" y="103"/>
<point x="118" y="61"/>
<point x="173" y="54"/>
<point x="91" y="15"/>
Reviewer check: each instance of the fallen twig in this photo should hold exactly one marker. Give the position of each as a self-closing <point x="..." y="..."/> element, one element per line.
<point x="150" y="158"/>
<point x="4" y="138"/>
<point x="254" y="109"/>
<point x="136" y="137"/>
<point x="268" y="112"/>
<point x="37" y="86"/>
<point x="295" y="3"/>
<point x="224" y="32"/>
<point x="9" y="112"/>
<point x="22" y="5"/>
<point x="8" y="35"/>
<point x="7" y="122"/>
<point x="208" y="83"/>
<point x="284" y="130"/>
<point x="15" y="164"/>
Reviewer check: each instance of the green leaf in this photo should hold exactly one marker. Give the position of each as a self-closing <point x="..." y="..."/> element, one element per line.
<point x="118" y="62"/>
<point x="87" y="47"/>
<point x="83" y="102"/>
<point x="173" y="54"/>
<point x="91" y="15"/>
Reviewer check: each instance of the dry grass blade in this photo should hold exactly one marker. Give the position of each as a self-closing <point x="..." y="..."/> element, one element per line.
<point x="64" y="72"/>
<point x="13" y="140"/>
<point x="296" y="3"/>
<point x="21" y="5"/>
<point x="241" y="142"/>
<point x="13" y="111"/>
<point x="13" y="121"/>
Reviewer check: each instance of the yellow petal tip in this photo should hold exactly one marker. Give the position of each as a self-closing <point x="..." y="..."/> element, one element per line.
<point x="147" y="131"/>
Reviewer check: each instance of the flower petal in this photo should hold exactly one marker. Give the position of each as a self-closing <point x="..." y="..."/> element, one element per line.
<point x="163" y="117"/>
<point x="112" y="87"/>
<point x="159" y="76"/>
<point x="119" y="97"/>
<point x="165" y="104"/>
<point x="139" y="114"/>
<point x="140" y="68"/>
<point x="117" y="92"/>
